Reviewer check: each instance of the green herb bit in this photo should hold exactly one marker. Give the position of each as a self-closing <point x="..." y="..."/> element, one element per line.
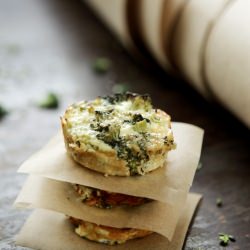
<point x="100" y="115"/>
<point x="101" y="65"/>
<point x="142" y="101"/>
<point x="49" y="102"/>
<point x="225" y="238"/>
<point x="3" y="112"/>
<point x="137" y="118"/>
<point x="138" y="101"/>
<point x="120" y="88"/>
<point x="108" y="134"/>
<point x="199" y="166"/>
<point x="219" y="202"/>
<point x="140" y="126"/>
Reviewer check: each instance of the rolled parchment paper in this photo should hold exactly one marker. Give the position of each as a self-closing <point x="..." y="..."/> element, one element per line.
<point x="201" y="38"/>
<point x="167" y="184"/>
<point x="155" y="216"/>
<point x="151" y="23"/>
<point x="48" y="230"/>
<point x="227" y="59"/>
<point x="172" y="11"/>
<point x="157" y="22"/>
<point x="189" y="38"/>
<point x="114" y="14"/>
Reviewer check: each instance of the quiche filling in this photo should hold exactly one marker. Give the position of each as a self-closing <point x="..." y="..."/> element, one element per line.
<point x="105" y="234"/>
<point x="103" y="199"/>
<point x="126" y="123"/>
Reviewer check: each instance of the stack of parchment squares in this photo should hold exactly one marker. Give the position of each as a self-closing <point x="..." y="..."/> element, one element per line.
<point x="120" y="181"/>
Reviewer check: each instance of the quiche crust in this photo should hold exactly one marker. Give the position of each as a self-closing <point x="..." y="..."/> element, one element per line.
<point x="105" y="234"/>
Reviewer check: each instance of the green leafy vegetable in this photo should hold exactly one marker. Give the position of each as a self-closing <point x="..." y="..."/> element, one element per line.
<point x="137" y="118"/>
<point x="138" y="101"/>
<point x="142" y="102"/>
<point x="225" y="239"/>
<point x="141" y="126"/>
<point x="101" y="65"/>
<point x="3" y="112"/>
<point x="100" y="115"/>
<point x="49" y="102"/>
<point x="111" y="135"/>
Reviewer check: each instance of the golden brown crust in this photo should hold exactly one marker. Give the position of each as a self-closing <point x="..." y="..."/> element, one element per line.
<point x="104" y="162"/>
<point x="105" y="234"/>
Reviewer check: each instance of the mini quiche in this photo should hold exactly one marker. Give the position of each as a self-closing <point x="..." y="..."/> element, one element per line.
<point x="105" y="234"/>
<point x="107" y="200"/>
<point x="118" y="135"/>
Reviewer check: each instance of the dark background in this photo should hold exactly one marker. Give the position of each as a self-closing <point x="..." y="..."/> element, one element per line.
<point x="50" y="45"/>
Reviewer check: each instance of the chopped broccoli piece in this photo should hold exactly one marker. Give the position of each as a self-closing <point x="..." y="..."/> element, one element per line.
<point x="102" y="65"/>
<point x="49" y="102"/>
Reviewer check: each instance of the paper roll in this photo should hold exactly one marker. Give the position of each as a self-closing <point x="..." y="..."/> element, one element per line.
<point x="151" y="23"/>
<point x="157" y="21"/>
<point x="227" y="58"/>
<point x="171" y="13"/>
<point x="177" y="33"/>
<point x="113" y="13"/>
<point x="190" y="36"/>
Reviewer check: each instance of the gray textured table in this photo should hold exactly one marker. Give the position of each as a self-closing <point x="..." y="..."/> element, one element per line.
<point x="50" y="45"/>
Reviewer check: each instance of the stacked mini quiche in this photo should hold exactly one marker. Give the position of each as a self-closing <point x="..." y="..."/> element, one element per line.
<point x="120" y="135"/>
<point x="108" y="178"/>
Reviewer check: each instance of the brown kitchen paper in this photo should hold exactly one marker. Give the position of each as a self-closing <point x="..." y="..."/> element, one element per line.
<point x="167" y="184"/>
<point x="48" y="230"/>
<point x="227" y="59"/>
<point x="189" y="37"/>
<point x="39" y="192"/>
